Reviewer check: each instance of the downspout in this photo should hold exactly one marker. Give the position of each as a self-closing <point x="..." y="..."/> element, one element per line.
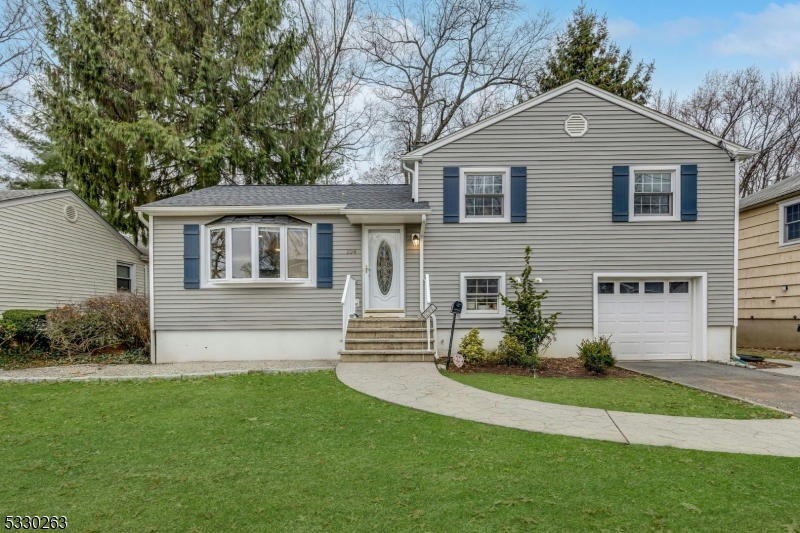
<point x="422" y="264"/>
<point x="149" y="225"/>
<point x="413" y="173"/>
<point x="735" y="328"/>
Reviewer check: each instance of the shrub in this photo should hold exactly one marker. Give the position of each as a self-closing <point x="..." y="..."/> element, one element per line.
<point x="471" y="347"/>
<point x="23" y="330"/>
<point x="511" y="352"/>
<point x="596" y="355"/>
<point x="524" y="320"/>
<point x="116" y="320"/>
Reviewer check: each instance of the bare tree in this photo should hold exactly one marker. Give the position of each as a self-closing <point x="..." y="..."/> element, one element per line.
<point x="751" y="110"/>
<point x="333" y="61"/>
<point x="17" y="44"/>
<point x="439" y="65"/>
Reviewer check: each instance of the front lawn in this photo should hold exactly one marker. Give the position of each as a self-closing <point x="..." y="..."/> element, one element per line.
<point x="639" y="394"/>
<point x="305" y="453"/>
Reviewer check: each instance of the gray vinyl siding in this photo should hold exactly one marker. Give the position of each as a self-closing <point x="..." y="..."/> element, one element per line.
<point x="569" y="208"/>
<point x="45" y="260"/>
<point x="248" y="307"/>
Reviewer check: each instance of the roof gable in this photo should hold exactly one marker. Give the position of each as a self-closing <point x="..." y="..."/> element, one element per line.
<point x="9" y="198"/>
<point x="741" y="152"/>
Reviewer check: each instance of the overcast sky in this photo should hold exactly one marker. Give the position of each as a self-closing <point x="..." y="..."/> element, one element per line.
<point x="687" y="38"/>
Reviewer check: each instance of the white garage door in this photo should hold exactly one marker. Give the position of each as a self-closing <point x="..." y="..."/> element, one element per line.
<point x="646" y="319"/>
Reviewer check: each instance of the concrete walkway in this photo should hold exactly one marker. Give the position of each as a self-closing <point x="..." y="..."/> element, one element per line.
<point x="773" y="389"/>
<point x="421" y="386"/>
<point x="197" y="369"/>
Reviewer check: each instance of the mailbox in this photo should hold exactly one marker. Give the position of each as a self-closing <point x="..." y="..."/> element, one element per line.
<point x="456" y="308"/>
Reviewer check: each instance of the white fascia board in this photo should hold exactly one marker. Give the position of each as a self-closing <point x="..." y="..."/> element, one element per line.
<point x="385" y="216"/>
<point x="331" y="209"/>
<point x="742" y="152"/>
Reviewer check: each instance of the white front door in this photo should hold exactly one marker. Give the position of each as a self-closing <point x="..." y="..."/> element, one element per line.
<point x="383" y="272"/>
<point x="646" y="319"/>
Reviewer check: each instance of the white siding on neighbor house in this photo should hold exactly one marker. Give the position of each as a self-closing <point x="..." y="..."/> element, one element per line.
<point x="248" y="307"/>
<point x="569" y="223"/>
<point x="46" y="260"/>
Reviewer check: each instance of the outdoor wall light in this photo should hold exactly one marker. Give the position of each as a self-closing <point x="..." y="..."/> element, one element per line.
<point x="785" y="287"/>
<point x="415" y="239"/>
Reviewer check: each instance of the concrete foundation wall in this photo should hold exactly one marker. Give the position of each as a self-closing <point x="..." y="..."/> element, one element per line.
<point x="243" y="345"/>
<point x="765" y="333"/>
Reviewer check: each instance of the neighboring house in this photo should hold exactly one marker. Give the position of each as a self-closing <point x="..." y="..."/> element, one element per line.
<point x="631" y="217"/>
<point x="769" y="267"/>
<point x="54" y="248"/>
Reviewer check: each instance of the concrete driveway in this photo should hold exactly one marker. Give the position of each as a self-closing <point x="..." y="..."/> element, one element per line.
<point x="759" y="386"/>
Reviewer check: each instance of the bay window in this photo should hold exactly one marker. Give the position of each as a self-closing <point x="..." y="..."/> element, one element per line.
<point x="272" y="249"/>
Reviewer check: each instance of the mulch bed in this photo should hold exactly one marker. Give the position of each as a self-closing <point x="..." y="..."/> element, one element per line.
<point x="767" y="364"/>
<point x="553" y="367"/>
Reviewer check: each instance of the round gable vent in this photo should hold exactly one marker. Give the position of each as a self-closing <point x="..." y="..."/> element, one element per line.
<point x="576" y="125"/>
<point x="71" y="213"/>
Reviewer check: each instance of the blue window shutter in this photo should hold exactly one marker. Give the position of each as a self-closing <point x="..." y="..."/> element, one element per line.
<point x="519" y="194"/>
<point x="688" y="192"/>
<point x="451" y="197"/>
<point x="325" y="256"/>
<point x="619" y="193"/>
<point x="191" y="256"/>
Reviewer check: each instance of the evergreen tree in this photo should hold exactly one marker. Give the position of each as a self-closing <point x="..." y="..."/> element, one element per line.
<point x="44" y="170"/>
<point x="152" y="98"/>
<point x="584" y="52"/>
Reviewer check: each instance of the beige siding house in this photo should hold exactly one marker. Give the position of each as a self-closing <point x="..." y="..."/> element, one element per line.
<point x="769" y="267"/>
<point x="54" y="248"/>
<point x="631" y="217"/>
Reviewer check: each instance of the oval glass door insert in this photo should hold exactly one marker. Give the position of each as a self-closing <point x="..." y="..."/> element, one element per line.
<point x="385" y="267"/>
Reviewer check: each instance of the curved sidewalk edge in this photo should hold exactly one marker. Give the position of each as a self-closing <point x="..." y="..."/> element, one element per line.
<point x="167" y="377"/>
<point x="421" y="386"/>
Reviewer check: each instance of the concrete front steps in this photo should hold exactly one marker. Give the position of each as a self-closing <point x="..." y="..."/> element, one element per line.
<point x="386" y="340"/>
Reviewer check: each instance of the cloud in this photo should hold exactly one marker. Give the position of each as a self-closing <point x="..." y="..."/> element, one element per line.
<point x="666" y="32"/>
<point x="625" y="29"/>
<point x="773" y="34"/>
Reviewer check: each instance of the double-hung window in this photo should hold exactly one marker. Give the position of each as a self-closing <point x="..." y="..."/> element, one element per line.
<point x="486" y="195"/>
<point x="480" y="293"/>
<point x="271" y="249"/>
<point x="655" y="193"/>
<point x="789" y="223"/>
<point x="124" y="277"/>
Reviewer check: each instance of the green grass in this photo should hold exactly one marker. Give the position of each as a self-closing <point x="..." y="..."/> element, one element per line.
<point x="635" y="394"/>
<point x="305" y="453"/>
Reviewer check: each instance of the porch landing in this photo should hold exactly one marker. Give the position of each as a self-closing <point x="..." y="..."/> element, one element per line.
<point x="421" y="386"/>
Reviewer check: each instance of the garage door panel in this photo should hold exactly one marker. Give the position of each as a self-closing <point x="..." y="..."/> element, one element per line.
<point x="657" y="327"/>
<point x="647" y="325"/>
<point x="628" y="327"/>
<point x="683" y="327"/>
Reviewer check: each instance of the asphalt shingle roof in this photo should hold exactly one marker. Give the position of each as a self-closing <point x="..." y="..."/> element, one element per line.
<point x="354" y="196"/>
<point x="775" y="191"/>
<point x="26" y="193"/>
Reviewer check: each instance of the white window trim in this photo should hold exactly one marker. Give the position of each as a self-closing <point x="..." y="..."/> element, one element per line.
<point x="462" y="193"/>
<point x="133" y="273"/>
<point x="501" y="288"/>
<point x="205" y="264"/>
<point x="675" y="170"/>
<point x="782" y="242"/>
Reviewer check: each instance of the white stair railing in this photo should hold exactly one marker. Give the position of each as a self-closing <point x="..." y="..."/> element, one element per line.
<point x="348" y="303"/>
<point x="432" y="320"/>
